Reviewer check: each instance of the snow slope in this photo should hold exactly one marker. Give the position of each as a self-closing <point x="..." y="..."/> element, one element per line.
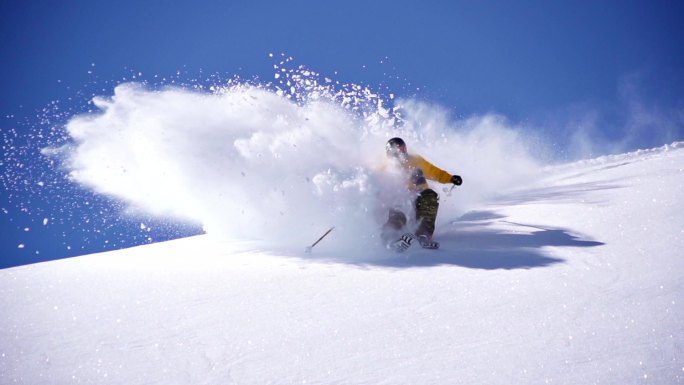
<point x="573" y="279"/>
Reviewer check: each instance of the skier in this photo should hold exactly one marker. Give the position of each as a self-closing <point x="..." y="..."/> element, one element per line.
<point x="426" y="201"/>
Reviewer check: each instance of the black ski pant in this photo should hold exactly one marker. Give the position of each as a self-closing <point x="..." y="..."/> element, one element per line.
<point x="426" y="206"/>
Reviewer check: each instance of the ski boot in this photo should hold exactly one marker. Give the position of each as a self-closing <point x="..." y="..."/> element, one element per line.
<point x="402" y="244"/>
<point x="427" y="243"/>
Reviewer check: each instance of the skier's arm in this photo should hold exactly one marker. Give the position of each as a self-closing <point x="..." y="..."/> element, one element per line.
<point x="433" y="172"/>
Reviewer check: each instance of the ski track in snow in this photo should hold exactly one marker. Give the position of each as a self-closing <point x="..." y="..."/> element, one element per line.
<point x="573" y="279"/>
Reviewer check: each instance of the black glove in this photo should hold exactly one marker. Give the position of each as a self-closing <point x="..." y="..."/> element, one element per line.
<point x="455" y="179"/>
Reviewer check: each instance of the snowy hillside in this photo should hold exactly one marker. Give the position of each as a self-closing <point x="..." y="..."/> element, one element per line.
<point x="575" y="278"/>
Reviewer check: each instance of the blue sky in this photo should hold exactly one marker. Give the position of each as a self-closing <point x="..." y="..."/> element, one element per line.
<point x="520" y="59"/>
<point x="542" y="64"/>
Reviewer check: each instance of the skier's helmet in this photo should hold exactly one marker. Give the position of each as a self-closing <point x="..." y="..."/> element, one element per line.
<point x="395" y="147"/>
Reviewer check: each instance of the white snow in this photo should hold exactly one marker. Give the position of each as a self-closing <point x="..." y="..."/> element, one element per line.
<point x="247" y="162"/>
<point x="574" y="277"/>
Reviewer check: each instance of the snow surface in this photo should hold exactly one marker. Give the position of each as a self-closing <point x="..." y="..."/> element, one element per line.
<point x="573" y="278"/>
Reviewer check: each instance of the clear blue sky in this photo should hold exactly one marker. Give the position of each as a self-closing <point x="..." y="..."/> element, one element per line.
<point x="518" y="58"/>
<point x="536" y="62"/>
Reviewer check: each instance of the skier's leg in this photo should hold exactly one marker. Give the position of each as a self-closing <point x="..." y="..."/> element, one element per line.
<point x="391" y="230"/>
<point x="427" y="204"/>
<point x="395" y="219"/>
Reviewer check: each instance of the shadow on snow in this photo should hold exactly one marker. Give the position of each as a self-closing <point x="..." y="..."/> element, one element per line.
<point x="471" y="242"/>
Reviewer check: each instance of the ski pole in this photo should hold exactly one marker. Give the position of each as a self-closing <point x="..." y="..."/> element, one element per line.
<point x="308" y="248"/>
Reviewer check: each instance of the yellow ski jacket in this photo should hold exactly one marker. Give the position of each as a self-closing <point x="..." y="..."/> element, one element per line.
<point x="413" y="163"/>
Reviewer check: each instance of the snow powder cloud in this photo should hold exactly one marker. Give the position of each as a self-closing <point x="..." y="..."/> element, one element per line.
<point x="251" y="162"/>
